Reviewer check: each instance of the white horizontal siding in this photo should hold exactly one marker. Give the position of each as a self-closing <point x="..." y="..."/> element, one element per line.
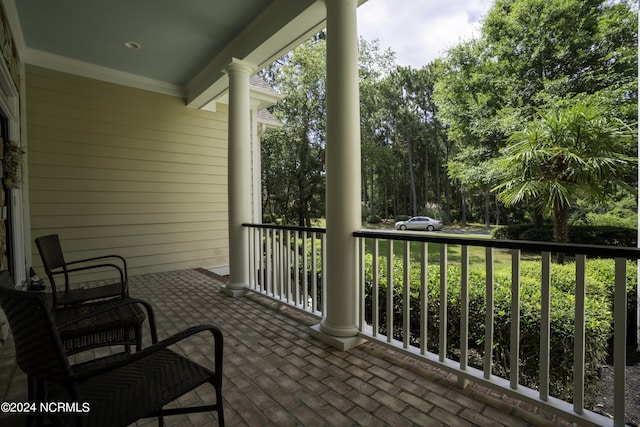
<point x="119" y="170"/>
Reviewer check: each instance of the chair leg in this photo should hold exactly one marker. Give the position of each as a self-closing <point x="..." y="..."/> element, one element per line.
<point x="138" y="333"/>
<point x="31" y="391"/>
<point x="35" y="394"/>
<point x="220" y="409"/>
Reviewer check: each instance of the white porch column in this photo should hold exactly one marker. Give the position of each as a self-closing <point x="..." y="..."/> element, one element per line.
<point x="339" y="327"/>
<point x="239" y="177"/>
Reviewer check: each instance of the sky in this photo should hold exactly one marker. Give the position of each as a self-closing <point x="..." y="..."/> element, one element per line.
<point x="419" y="31"/>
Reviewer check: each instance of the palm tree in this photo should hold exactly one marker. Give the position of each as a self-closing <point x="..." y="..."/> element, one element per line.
<point x="566" y="152"/>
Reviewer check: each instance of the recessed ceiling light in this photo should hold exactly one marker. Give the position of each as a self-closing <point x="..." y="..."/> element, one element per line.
<point x="132" y="45"/>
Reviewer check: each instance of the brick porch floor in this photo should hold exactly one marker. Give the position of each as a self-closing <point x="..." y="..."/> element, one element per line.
<point x="275" y="374"/>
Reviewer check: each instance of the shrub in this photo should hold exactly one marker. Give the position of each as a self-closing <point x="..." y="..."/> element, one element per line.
<point x="402" y="218"/>
<point x="510" y="232"/>
<point x="269" y="218"/>
<point x="434" y="210"/>
<point x="374" y="219"/>
<point x="582" y="234"/>
<point x="611" y="220"/>
<point x="605" y="235"/>
<point x="598" y="312"/>
<point x="537" y="234"/>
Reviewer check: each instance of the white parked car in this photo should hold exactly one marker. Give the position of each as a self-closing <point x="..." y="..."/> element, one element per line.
<point x="419" y="223"/>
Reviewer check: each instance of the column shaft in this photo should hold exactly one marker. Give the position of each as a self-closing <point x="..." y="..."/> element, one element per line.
<point x="239" y="178"/>
<point x="343" y="169"/>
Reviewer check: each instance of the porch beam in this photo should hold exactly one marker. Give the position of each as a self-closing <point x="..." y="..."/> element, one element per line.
<point x="239" y="181"/>
<point x="340" y="325"/>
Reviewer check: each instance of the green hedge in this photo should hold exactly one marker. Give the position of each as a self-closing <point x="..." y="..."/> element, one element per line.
<point x="598" y="235"/>
<point x="598" y="312"/>
<point x="374" y="219"/>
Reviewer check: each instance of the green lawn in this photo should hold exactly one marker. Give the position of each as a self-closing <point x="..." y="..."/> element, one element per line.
<point x="477" y="255"/>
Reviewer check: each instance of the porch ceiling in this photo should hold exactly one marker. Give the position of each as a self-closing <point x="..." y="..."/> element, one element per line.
<point x="184" y="45"/>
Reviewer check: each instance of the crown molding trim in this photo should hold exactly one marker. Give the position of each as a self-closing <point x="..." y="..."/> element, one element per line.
<point x="85" y="69"/>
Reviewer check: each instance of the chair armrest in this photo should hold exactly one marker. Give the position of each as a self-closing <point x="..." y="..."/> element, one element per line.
<point x="123" y="275"/>
<point x="110" y="306"/>
<point x="217" y="340"/>
<point x="123" y="267"/>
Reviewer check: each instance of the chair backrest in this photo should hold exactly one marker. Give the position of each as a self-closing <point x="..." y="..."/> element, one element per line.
<point x="39" y="350"/>
<point x="52" y="257"/>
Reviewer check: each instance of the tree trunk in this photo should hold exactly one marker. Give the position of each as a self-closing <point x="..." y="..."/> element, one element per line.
<point x="386" y="201"/>
<point x="447" y="185"/>
<point x="371" y="197"/>
<point x="487" y="203"/>
<point x="363" y="185"/>
<point x="396" y="201"/>
<point x="561" y="227"/>
<point x="438" y="190"/>
<point x="463" y="206"/>
<point x="412" y="179"/>
<point x="300" y="217"/>
<point x="426" y="175"/>
<point x="538" y="220"/>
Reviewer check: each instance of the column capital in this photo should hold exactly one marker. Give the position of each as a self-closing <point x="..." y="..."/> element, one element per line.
<point x="240" y="66"/>
<point x="328" y="1"/>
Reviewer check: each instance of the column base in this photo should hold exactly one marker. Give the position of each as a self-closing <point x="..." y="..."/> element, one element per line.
<point x="341" y="343"/>
<point x="235" y="289"/>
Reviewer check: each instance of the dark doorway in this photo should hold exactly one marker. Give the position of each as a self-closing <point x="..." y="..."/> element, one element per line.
<point x="6" y="214"/>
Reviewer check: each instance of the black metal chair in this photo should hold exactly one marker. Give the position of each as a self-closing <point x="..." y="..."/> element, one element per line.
<point x="108" y="392"/>
<point x="55" y="265"/>
<point x="92" y="325"/>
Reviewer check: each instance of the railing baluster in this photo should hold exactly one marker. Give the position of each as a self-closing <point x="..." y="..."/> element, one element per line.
<point x="281" y="265"/>
<point x="545" y="326"/>
<point x="269" y="262"/>
<point x="305" y="272"/>
<point x="257" y="262"/>
<point x="515" y="319"/>
<point x="275" y="263"/>
<point x="286" y="282"/>
<point x="443" y="303"/>
<point x="324" y="275"/>
<point x="424" y="297"/>
<point x="291" y="262"/>
<point x="252" y="258"/>
<point x="363" y="293"/>
<point x="620" y="342"/>
<point x="263" y="260"/>
<point x="579" y="335"/>
<point x="406" y="289"/>
<point x="464" y="313"/>
<point x="389" y="290"/>
<point x="375" y="297"/>
<point x="488" y="324"/>
<point x="314" y="276"/>
<point x="296" y="269"/>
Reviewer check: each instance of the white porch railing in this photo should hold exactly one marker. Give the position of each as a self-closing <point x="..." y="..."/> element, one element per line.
<point x="287" y="264"/>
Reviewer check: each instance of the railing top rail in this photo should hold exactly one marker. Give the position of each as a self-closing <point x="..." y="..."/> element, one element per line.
<point x="529" y="246"/>
<point x="286" y="227"/>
